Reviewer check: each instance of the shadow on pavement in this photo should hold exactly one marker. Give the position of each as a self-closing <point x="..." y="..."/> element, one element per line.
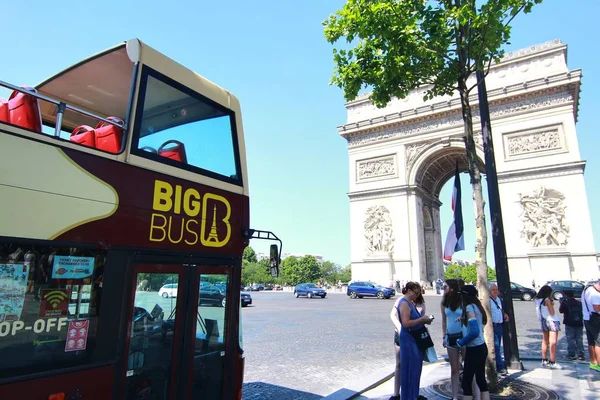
<point x="268" y="391"/>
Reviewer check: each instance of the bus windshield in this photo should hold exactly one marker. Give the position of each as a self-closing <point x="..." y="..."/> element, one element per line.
<point x="186" y="128"/>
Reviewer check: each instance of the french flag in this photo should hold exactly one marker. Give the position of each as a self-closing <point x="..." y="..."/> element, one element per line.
<point x="455" y="240"/>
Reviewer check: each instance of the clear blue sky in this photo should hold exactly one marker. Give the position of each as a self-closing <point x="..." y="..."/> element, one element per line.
<point x="272" y="55"/>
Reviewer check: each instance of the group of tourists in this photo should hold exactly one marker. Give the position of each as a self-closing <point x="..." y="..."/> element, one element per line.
<point x="577" y="315"/>
<point x="463" y="319"/>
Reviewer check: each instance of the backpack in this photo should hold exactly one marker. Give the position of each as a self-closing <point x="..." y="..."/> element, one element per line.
<point x="575" y="315"/>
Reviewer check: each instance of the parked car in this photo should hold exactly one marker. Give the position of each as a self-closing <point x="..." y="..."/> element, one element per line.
<point x="361" y="289"/>
<point x="277" y="287"/>
<point x="519" y="292"/>
<point x="246" y="299"/>
<point x="257" y="288"/>
<point x="212" y="295"/>
<point x="309" y="290"/>
<point x="268" y="287"/>
<point x="559" y="287"/>
<point x="168" y="290"/>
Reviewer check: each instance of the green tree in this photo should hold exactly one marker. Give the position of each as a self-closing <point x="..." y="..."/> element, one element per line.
<point x="255" y="273"/>
<point x="299" y="270"/>
<point x="400" y="45"/>
<point x="249" y="254"/>
<point x="329" y="271"/>
<point x="345" y="275"/>
<point x="453" y="271"/>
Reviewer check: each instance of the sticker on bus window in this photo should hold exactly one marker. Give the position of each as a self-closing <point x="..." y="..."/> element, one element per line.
<point x="55" y="303"/>
<point x="77" y="335"/>
<point x="13" y="285"/>
<point x="71" y="267"/>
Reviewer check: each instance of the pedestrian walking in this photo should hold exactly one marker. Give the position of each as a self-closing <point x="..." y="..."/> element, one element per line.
<point x="499" y="317"/>
<point x="410" y="355"/>
<point x="591" y="320"/>
<point x="571" y="308"/>
<point x="550" y="324"/>
<point x="474" y="319"/>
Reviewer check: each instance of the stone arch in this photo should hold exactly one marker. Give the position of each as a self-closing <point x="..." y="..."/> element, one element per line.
<point x="435" y="165"/>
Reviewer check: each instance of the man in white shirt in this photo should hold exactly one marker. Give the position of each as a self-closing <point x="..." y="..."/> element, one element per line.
<point x="591" y="305"/>
<point x="498" y="319"/>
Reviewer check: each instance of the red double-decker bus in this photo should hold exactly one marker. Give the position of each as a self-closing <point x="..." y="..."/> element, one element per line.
<point x="124" y="212"/>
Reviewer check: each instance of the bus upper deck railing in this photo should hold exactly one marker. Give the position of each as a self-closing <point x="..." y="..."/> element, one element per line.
<point x="62" y="107"/>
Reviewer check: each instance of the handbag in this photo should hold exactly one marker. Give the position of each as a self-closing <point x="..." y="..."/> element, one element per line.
<point x="594" y="316"/>
<point x="452" y="338"/>
<point x="84" y="135"/>
<point x="422" y="338"/>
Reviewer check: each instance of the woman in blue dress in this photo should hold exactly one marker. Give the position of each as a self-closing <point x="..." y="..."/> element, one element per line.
<point x="411" y="356"/>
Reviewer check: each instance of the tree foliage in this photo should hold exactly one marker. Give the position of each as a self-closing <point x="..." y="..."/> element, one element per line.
<point x="405" y="44"/>
<point x="467" y="274"/>
<point x="249" y="255"/>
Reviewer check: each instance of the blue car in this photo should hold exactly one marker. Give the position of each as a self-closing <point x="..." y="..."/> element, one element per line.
<point x="309" y="290"/>
<point x="361" y="289"/>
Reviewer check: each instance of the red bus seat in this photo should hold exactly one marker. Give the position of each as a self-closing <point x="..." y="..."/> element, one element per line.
<point x="109" y="137"/>
<point x="4" y="111"/>
<point x="175" y="152"/>
<point x="22" y="110"/>
<point x="84" y="135"/>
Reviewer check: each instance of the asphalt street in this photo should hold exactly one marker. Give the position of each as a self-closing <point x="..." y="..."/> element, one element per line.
<point x="308" y="348"/>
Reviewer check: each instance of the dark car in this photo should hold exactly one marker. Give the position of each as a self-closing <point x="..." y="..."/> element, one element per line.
<point x="559" y="288"/>
<point x="519" y="292"/>
<point x="257" y="287"/>
<point x="246" y="299"/>
<point x="361" y="289"/>
<point x="309" y="290"/>
<point x="211" y="294"/>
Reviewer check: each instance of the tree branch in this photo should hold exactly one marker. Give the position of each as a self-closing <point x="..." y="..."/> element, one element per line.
<point x="513" y="16"/>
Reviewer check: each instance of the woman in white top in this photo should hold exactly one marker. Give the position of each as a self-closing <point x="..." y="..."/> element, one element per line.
<point x="550" y="324"/>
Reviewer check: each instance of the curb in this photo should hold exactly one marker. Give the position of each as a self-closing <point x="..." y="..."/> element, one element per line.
<point x="356" y="388"/>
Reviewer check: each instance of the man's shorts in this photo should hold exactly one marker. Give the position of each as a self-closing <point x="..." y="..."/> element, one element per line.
<point x="592" y="333"/>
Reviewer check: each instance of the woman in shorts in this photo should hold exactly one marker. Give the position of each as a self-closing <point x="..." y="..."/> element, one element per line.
<point x="550" y="324"/>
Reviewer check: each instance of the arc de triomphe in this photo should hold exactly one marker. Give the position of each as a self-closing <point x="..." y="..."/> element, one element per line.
<point x="401" y="155"/>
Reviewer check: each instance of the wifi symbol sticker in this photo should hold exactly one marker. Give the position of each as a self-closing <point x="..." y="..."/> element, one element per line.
<point x="55" y="303"/>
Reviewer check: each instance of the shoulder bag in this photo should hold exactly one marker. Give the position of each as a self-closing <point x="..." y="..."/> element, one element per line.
<point x="421" y="336"/>
<point x="594" y="316"/>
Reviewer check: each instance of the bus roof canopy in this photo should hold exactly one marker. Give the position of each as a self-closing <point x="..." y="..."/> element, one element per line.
<point x="101" y="84"/>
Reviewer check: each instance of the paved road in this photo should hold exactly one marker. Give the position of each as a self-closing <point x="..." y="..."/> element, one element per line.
<point x="308" y="348"/>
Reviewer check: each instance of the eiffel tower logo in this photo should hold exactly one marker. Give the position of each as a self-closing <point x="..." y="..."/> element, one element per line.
<point x="212" y="235"/>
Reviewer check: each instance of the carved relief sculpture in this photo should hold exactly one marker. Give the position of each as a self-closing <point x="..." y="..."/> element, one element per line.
<point x="543" y="217"/>
<point x="379" y="235"/>
<point x="540" y="141"/>
<point x="377" y="167"/>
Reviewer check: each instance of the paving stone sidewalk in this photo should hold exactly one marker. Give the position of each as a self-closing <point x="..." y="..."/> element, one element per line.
<point x="574" y="382"/>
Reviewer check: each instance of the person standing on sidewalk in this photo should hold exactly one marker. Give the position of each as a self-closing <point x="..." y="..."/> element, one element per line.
<point x="550" y="324"/>
<point x="499" y="317"/>
<point x="452" y="330"/>
<point x="419" y="304"/>
<point x="573" y="321"/>
<point x="591" y="320"/>
<point x="474" y="319"/>
<point x="411" y="356"/>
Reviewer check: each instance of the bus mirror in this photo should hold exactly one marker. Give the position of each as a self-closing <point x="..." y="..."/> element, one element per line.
<point x="274" y="260"/>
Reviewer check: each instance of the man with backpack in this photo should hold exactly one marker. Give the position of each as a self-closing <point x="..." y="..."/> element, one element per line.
<point x="591" y="320"/>
<point x="573" y="321"/>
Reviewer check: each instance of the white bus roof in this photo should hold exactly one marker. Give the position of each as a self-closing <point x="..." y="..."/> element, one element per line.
<point x="101" y="84"/>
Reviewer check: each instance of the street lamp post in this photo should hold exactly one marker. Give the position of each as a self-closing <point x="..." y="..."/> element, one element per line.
<point x="511" y="346"/>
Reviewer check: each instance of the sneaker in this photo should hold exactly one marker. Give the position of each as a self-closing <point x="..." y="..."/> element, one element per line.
<point x="554" y="365"/>
<point x="595" y="367"/>
<point x="503" y="372"/>
<point x="571" y="358"/>
<point x="545" y="363"/>
<point x="581" y="357"/>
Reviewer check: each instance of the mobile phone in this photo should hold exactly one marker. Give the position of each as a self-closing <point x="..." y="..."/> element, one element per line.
<point x="432" y="317"/>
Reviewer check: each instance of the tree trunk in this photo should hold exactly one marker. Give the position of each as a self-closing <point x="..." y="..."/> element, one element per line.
<point x="481" y="235"/>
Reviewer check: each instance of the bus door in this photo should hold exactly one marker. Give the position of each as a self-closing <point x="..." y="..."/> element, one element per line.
<point x="176" y="332"/>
